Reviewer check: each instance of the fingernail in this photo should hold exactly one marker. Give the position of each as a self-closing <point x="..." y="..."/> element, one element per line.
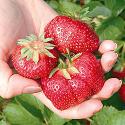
<point x="117" y="87"/>
<point x="120" y="82"/>
<point x="116" y="55"/>
<point x="98" y="107"/>
<point x="31" y="89"/>
<point x="115" y="46"/>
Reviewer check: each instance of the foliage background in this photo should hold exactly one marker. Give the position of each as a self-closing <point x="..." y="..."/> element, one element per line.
<point x="108" y="19"/>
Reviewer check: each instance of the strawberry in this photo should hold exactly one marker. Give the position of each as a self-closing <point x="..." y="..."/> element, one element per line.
<point x="75" y="35"/>
<point x="74" y="81"/>
<point x="119" y="74"/>
<point x="122" y="92"/>
<point x="90" y="70"/>
<point x="34" y="57"/>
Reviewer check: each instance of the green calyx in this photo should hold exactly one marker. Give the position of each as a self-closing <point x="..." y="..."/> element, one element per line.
<point x="66" y="67"/>
<point x="34" y="46"/>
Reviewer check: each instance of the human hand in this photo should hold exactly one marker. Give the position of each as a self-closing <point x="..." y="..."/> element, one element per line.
<point x="14" y="84"/>
<point x="93" y="105"/>
<point x="12" y="27"/>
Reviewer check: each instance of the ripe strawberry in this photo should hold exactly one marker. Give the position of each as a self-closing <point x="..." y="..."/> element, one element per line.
<point x="90" y="70"/>
<point x="32" y="58"/>
<point x="119" y="74"/>
<point x="74" y="82"/>
<point x="72" y="34"/>
<point x="122" y="92"/>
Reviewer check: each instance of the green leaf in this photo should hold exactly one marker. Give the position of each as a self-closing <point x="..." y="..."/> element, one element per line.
<point x="54" y="4"/>
<point x="34" y="106"/>
<point x="100" y="10"/>
<point x="30" y="102"/>
<point x="73" y="69"/>
<point x="26" y="52"/>
<point x="66" y="74"/>
<point x="49" y="46"/>
<point x="29" y="55"/>
<point x="47" y="114"/>
<point x="75" y="122"/>
<point x="117" y="119"/>
<point x="111" y="32"/>
<point x="22" y="41"/>
<point x="117" y="6"/>
<point x="47" y="39"/>
<point x="76" y="56"/>
<point x="31" y="37"/>
<point x="53" y="72"/>
<point x="18" y="115"/>
<point x="49" y="54"/>
<point x="111" y="28"/>
<point x="84" y="14"/>
<point x="87" y="1"/>
<point x="23" y="50"/>
<point x="1" y="99"/>
<point x="2" y="122"/>
<point x="102" y="117"/>
<point x="112" y="101"/>
<point x="41" y="36"/>
<point x="69" y="123"/>
<point x="56" y="120"/>
<point x="92" y="5"/>
<point x="36" y="56"/>
<point x="69" y="8"/>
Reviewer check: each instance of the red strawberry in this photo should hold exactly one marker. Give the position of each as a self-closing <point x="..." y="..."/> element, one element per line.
<point x="32" y="58"/>
<point x="78" y="81"/>
<point x="59" y="91"/>
<point x="122" y="92"/>
<point x="90" y="70"/>
<point x="72" y="34"/>
<point x="119" y="74"/>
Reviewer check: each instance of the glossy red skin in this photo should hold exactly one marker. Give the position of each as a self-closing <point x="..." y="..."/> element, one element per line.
<point x="72" y="34"/>
<point x="90" y="70"/>
<point x="31" y="70"/>
<point x="65" y="93"/>
<point x="122" y="93"/>
<point x="119" y="74"/>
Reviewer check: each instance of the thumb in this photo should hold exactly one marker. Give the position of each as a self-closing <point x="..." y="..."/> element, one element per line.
<point x="14" y="84"/>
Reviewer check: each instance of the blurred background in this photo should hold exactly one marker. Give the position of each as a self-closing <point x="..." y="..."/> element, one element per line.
<point x="107" y="17"/>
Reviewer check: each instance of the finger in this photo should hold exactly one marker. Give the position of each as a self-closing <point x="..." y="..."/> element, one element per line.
<point x="110" y="87"/>
<point x="83" y="110"/>
<point x="12" y="85"/>
<point x="108" y="59"/>
<point x="106" y="46"/>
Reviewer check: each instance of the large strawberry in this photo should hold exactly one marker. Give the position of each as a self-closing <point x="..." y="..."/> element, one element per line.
<point x="122" y="93"/>
<point x="75" y="35"/>
<point x="74" y="82"/>
<point x="34" y="57"/>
